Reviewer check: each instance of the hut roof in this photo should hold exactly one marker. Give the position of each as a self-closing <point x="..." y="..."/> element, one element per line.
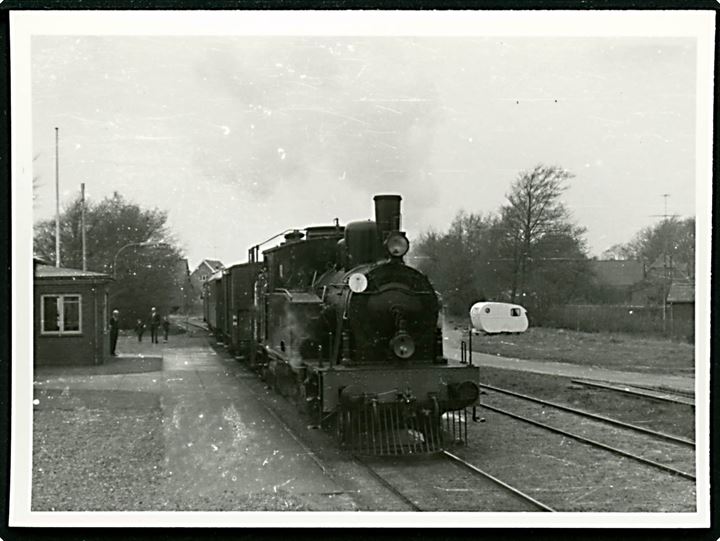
<point x="47" y="271"/>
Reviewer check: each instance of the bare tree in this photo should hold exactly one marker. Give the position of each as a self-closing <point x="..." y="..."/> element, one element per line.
<point x="672" y="242"/>
<point x="534" y="212"/>
<point x="456" y="261"/>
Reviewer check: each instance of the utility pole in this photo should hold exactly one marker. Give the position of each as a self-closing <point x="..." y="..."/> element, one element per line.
<point x="665" y="266"/>
<point x="82" y="225"/>
<point x="57" y="200"/>
<point x="666" y="277"/>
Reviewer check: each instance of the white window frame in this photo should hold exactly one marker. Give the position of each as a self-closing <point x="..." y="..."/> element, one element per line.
<point x="61" y="314"/>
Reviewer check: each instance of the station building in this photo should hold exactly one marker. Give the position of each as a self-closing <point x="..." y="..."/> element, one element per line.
<point x="70" y="314"/>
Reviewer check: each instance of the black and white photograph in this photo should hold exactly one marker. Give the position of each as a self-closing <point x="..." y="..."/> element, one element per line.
<point x="361" y="269"/>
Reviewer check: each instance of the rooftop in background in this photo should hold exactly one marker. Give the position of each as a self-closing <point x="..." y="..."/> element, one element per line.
<point x="618" y="273"/>
<point x="213" y="265"/>
<point x="681" y="292"/>
<point x="47" y="271"/>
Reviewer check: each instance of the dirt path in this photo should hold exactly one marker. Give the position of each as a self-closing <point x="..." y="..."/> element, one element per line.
<point x="452" y="351"/>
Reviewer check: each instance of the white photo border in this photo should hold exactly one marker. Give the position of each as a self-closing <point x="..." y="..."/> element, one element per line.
<point x="25" y="24"/>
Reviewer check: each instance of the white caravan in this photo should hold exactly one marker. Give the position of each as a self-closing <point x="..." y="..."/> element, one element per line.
<point x="497" y="317"/>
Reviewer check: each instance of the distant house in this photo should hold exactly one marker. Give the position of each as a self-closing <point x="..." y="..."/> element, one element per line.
<point x="621" y="281"/>
<point x="681" y="301"/>
<point x="669" y="269"/>
<point x="69" y="316"/>
<point x="199" y="276"/>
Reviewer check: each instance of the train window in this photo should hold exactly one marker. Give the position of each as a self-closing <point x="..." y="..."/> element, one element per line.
<point x="515" y="312"/>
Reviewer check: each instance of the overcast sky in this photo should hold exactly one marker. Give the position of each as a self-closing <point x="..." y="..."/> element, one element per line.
<point x="240" y="138"/>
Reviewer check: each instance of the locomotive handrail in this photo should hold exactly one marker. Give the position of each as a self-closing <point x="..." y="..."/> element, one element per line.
<point x="256" y="248"/>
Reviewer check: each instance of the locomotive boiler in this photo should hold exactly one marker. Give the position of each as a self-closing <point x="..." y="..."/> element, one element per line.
<point x="333" y="318"/>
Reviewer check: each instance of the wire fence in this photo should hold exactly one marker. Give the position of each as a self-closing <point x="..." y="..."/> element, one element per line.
<point x="677" y="323"/>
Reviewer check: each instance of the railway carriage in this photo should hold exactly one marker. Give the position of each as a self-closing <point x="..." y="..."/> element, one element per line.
<point x="333" y="318"/>
<point x="213" y="303"/>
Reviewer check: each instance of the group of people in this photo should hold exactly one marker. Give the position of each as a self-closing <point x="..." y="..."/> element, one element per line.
<point x="156" y="322"/>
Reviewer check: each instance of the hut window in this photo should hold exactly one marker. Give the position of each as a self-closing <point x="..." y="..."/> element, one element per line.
<point x="60" y="314"/>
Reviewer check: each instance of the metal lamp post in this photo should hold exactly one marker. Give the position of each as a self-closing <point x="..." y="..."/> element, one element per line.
<point x="144" y="243"/>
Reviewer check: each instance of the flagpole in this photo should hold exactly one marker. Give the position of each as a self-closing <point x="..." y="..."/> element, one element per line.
<point x="57" y="201"/>
<point x="82" y="224"/>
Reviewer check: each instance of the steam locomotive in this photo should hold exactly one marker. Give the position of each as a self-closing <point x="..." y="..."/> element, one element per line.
<point x="333" y="318"/>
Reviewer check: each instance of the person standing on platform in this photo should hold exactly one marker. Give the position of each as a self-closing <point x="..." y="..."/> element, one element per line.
<point x="113" y="325"/>
<point x="166" y="328"/>
<point x="154" y="325"/>
<point x="139" y="329"/>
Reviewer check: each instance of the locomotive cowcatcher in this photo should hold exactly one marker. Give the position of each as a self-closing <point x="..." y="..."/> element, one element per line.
<point x="334" y="319"/>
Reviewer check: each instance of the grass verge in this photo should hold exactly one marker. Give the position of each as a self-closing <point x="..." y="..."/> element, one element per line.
<point x="607" y="350"/>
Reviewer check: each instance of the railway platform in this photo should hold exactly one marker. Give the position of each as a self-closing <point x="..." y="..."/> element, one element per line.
<point x="221" y="449"/>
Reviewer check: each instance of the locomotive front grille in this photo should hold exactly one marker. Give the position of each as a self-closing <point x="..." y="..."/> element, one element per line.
<point x="396" y="429"/>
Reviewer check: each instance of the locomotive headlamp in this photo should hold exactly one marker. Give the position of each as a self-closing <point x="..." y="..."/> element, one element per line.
<point x="397" y="244"/>
<point x="357" y="282"/>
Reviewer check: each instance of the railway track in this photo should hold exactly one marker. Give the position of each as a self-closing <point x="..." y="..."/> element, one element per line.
<point x="441" y="483"/>
<point x="669" y="453"/>
<point x="525" y="497"/>
<point x="652" y="393"/>
<point x="446" y="482"/>
<point x="589" y="415"/>
<point x="395" y="474"/>
<point x="520" y="501"/>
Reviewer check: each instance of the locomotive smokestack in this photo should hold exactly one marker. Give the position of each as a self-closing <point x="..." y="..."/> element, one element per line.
<point x="387" y="213"/>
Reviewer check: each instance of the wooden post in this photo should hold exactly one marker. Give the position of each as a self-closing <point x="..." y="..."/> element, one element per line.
<point x="82" y="225"/>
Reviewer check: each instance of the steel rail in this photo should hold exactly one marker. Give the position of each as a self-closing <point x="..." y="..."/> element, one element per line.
<point x="657" y="388"/>
<point x="387" y="484"/>
<point x="627" y="389"/>
<point x="609" y="420"/>
<point x="592" y="442"/>
<point x="516" y="492"/>
<point x="671" y="391"/>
